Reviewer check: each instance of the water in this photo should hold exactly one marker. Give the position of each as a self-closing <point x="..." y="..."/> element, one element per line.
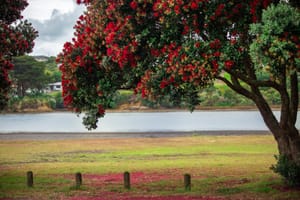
<point x="137" y="122"/>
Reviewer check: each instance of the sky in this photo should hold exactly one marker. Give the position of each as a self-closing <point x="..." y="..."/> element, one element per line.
<point x="54" y="20"/>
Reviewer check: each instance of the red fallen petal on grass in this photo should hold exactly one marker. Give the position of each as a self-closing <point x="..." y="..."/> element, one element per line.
<point x="135" y="177"/>
<point x="109" y="197"/>
<point x="171" y="198"/>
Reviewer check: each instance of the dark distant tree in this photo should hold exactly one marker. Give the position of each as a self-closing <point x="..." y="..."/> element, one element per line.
<point x="28" y="74"/>
<point x="172" y="49"/>
<point x="16" y="38"/>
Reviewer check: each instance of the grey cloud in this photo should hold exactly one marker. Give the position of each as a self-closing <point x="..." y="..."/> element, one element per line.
<point x="58" y="29"/>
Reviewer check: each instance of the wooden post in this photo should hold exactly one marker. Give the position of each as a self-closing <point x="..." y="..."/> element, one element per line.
<point x="187" y="182"/>
<point x="127" y="180"/>
<point x="78" y="179"/>
<point x="29" y="179"/>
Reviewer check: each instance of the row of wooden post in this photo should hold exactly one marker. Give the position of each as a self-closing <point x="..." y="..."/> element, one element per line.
<point x="78" y="180"/>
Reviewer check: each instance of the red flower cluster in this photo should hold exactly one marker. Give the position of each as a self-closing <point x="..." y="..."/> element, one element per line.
<point x="216" y="44"/>
<point x="101" y="110"/>
<point x="142" y="86"/>
<point x="228" y="13"/>
<point x="15" y="40"/>
<point x="166" y="7"/>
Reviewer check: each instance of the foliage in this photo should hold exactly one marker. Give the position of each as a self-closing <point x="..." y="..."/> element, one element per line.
<point x="16" y="38"/>
<point x="52" y="71"/>
<point x="28" y="74"/>
<point x="166" y="50"/>
<point x="123" y="97"/>
<point x="288" y="169"/>
<point x="35" y="102"/>
<point x="219" y="95"/>
<point x="276" y="46"/>
<point x="58" y="100"/>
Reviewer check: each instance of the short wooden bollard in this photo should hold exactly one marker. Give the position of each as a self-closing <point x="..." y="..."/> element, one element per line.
<point x="78" y="179"/>
<point x="29" y="179"/>
<point x="127" y="180"/>
<point x="187" y="182"/>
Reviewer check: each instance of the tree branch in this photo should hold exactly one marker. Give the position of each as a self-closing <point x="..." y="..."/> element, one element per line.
<point x="236" y="86"/>
<point x="285" y="100"/>
<point x="294" y="103"/>
<point x="255" y="82"/>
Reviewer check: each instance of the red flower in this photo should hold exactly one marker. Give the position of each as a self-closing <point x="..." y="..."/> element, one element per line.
<point x="172" y="79"/>
<point x="133" y="5"/>
<point x="215" y="65"/>
<point x="194" y="5"/>
<point x="185" y="78"/>
<point x="217" y="54"/>
<point x="185" y="29"/>
<point x="101" y="110"/>
<point x="219" y="10"/>
<point x="163" y="84"/>
<point x="197" y="44"/>
<point x="229" y="64"/>
<point x="216" y="44"/>
<point x="154" y="52"/>
<point x="68" y="100"/>
<point x="177" y="9"/>
<point x="156" y="14"/>
<point x="110" y="38"/>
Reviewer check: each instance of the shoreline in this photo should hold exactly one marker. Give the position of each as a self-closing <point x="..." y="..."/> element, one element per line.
<point x="147" y="109"/>
<point x="124" y="135"/>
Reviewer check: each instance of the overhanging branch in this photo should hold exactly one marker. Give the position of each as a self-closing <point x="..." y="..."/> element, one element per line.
<point x="236" y="86"/>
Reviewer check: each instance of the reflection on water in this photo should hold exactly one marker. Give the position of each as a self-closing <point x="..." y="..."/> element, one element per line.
<point x="136" y="122"/>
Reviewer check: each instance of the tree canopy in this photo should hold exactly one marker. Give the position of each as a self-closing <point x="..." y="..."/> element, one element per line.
<point x="16" y="38"/>
<point x="164" y="48"/>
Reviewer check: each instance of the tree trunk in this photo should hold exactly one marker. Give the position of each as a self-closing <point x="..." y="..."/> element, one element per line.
<point x="289" y="145"/>
<point x="286" y="134"/>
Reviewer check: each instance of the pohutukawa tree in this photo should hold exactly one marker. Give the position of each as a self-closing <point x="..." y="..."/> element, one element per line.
<point x="16" y="38"/>
<point x="172" y="49"/>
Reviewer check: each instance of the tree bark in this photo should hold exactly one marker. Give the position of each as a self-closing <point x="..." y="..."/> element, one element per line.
<point x="289" y="145"/>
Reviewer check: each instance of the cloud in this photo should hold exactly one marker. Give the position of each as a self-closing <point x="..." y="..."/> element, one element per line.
<point x="54" y="32"/>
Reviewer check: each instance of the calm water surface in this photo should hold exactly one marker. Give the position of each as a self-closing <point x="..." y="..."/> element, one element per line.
<point x="137" y="122"/>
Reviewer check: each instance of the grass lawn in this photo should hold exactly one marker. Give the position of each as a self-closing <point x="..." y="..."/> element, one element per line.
<point x="225" y="167"/>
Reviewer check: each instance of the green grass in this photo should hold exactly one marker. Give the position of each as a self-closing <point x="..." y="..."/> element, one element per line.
<point x="219" y="165"/>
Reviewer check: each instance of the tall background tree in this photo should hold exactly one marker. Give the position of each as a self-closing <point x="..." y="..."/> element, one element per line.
<point x="16" y="38"/>
<point x="172" y="49"/>
<point x="29" y="74"/>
